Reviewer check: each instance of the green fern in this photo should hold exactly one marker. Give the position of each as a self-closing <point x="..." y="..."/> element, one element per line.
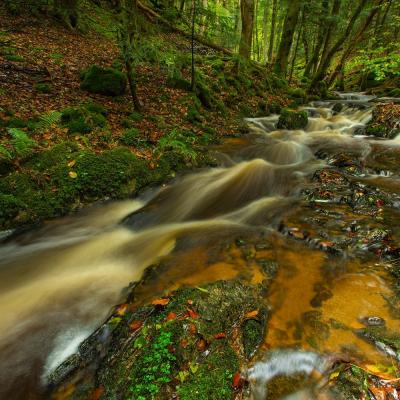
<point x="180" y="143"/>
<point x="46" y="121"/>
<point x="5" y="154"/>
<point x="22" y="144"/>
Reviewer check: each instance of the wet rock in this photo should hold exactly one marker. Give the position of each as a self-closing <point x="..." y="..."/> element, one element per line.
<point x="290" y="119"/>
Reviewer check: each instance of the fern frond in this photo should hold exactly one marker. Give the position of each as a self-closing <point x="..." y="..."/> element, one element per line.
<point x="46" y="121"/>
<point x="22" y="144"/>
<point x="5" y="154"/>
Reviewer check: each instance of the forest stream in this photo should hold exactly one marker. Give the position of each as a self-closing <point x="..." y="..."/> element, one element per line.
<point x="325" y="210"/>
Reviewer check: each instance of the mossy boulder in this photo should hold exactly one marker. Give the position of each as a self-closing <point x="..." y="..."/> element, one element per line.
<point x="83" y="119"/>
<point x="10" y="206"/>
<point x="290" y="119"/>
<point x="106" y="81"/>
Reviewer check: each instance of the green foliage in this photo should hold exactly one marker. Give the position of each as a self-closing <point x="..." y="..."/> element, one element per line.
<point x="132" y="137"/>
<point x="378" y="68"/>
<point x="290" y="119"/>
<point x="106" y="81"/>
<point x="46" y="121"/>
<point x="81" y="120"/>
<point x="213" y="379"/>
<point x="178" y="142"/>
<point x="42" y="87"/>
<point x="153" y="369"/>
<point x="16" y="123"/>
<point x="14" y="58"/>
<point x="22" y="145"/>
<point x="10" y="206"/>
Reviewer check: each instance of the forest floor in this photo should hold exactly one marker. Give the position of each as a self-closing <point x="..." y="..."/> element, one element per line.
<point x="40" y="66"/>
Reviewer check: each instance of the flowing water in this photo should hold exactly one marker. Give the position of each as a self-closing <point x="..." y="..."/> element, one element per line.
<point x="58" y="283"/>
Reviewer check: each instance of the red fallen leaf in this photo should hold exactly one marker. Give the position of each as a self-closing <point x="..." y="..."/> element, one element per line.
<point x="380" y="203"/>
<point x="160" y="302"/>
<point x="251" y="314"/>
<point x="121" y="309"/>
<point x="192" y="329"/>
<point x="171" y="316"/>
<point x="97" y="393"/>
<point x="201" y="345"/>
<point x="220" y="335"/>
<point x="135" y="325"/>
<point x="192" y="314"/>
<point x="238" y="381"/>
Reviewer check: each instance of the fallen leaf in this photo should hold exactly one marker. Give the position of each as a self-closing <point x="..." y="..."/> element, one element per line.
<point x="238" y="381"/>
<point x="251" y="314"/>
<point x="192" y="314"/>
<point x="160" y="302"/>
<point x="72" y="174"/>
<point x="184" y="343"/>
<point x="192" y="329"/>
<point x="121" y="309"/>
<point x="171" y="316"/>
<point x="97" y="393"/>
<point x="135" y="325"/>
<point x="220" y="335"/>
<point x="71" y="163"/>
<point x="201" y="345"/>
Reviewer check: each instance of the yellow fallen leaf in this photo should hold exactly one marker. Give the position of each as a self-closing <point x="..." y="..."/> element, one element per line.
<point x="71" y="163"/>
<point x="72" y="174"/>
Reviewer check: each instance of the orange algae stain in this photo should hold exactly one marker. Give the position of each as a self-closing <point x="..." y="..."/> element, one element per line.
<point x="292" y="292"/>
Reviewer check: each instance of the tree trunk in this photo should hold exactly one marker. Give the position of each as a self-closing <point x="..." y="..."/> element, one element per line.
<point x="67" y="11"/>
<point x="247" y="10"/>
<point x="324" y="65"/>
<point x="273" y="27"/>
<point x="357" y="38"/>
<point x="286" y="42"/>
<point x="265" y="31"/>
<point x="311" y="65"/>
<point x="329" y="30"/>
<point x="296" y="48"/>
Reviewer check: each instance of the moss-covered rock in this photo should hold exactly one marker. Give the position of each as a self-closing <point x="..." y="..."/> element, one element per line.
<point x="107" y="81"/>
<point x="290" y="119"/>
<point x="83" y="119"/>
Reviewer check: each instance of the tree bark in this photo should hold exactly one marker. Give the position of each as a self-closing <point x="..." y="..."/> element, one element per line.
<point x="324" y="65"/>
<point x="357" y="38"/>
<point x="247" y="10"/>
<point x="286" y="42"/>
<point x="273" y="27"/>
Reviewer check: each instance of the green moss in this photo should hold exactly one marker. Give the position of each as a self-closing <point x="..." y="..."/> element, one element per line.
<point x="10" y="206"/>
<point x="290" y="119"/>
<point x="58" y="154"/>
<point x="177" y="81"/>
<point x="297" y="93"/>
<point x="252" y="332"/>
<point x="193" y="115"/>
<point x="106" y="81"/>
<point x="15" y="122"/>
<point x="42" y="87"/>
<point x="213" y="379"/>
<point x="82" y="120"/>
<point x="14" y="58"/>
<point x="132" y="137"/>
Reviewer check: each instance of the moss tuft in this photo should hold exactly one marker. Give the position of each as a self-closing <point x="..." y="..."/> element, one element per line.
<point x="290" y="119"/>
<point x="107" y="81"/>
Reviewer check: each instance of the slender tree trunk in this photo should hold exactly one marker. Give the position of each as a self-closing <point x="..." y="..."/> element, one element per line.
<point x="273" y="27"/>
<point x="311" y="65"/>
<point x="357" y="38"/>
<point x="296" y="48"/>
<point x="247" y="10"/>
<point x="265" y="31"/>
<point x="329" y="30"/>
<point x="286" y="42"/>
<point x="193" y="80"/>
<point x="306" y="45"/>
<point x="324" y="65"/>
<point x="67" y="11"/>
<point x="129" y="34"/>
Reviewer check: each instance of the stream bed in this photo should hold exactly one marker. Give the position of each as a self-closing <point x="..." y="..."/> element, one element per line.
<point x="310" y="217"/>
